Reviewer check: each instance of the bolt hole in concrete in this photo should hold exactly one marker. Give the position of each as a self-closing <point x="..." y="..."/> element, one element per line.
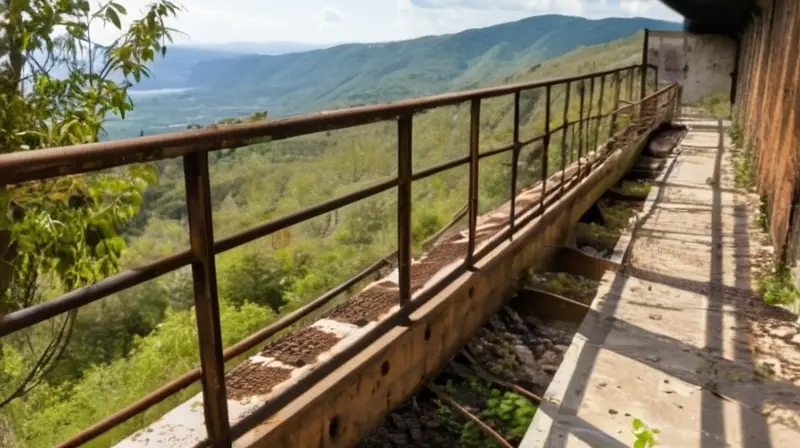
<point x="333" y="428"/>
<point x="385" y="368"/>
<point x="511" y="360"/>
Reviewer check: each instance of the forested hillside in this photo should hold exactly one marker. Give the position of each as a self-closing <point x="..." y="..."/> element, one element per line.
<point x="359" y="73"/>
<point x="354" y="74"/>
<point x="129" y="344"/>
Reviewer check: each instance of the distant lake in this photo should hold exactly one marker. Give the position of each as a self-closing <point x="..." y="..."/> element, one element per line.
<point x="158" y="92"/>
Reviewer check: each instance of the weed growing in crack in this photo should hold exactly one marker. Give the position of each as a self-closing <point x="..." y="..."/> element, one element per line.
<point x="762" y="219"/>
<point x="778" y="288"/>
<point x="645" y="435"/>
<point x="742" y="158"/>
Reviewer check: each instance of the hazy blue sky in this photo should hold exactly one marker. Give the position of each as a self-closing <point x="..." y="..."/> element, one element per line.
<point x="323" y="21"/>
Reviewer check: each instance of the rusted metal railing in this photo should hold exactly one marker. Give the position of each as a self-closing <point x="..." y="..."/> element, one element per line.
<point x="194" y="146"/>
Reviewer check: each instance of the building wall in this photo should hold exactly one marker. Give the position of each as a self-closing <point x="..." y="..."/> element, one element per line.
<point x="766" y="111"/>
<point x="703" y="64"/>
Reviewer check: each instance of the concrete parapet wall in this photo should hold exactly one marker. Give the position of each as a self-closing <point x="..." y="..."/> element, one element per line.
<point x="703" y="64"/>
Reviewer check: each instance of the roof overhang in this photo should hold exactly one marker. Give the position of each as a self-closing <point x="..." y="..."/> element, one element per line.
<point x="727" y="17"/>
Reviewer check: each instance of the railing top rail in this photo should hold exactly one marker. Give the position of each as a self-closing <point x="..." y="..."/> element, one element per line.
<point x="54" y="162"/>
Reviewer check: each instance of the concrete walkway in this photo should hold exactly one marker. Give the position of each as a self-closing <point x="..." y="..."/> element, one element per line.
<point x="677" y="338"/>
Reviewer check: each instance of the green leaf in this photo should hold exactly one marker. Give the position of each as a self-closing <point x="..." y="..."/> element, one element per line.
<point x="637" y="424"/>
<point x="639" y="444"/>
<point x="111" y="14"/>
<point x="120" y="9"/>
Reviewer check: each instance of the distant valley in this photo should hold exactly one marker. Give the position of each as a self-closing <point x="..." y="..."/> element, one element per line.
<point x="199" y="85"/>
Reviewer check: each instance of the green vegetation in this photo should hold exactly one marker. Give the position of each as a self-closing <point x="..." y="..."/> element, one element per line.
<point x="645" y="436"/>
<point x="567" y="285"/>
<point x="73" y="232"/>
<point x="778" y="287"/>
<point x="635" y="187"/>
<point x="716" y="104"/>
<point x="508" y="413"/>
<point x="617" y="215"/>
<point x="743" y="158"/>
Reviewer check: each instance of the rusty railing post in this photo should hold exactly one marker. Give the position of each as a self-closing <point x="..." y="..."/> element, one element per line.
<point x="564" y="135"/>
<point x="474" y="148"/>
<point x="580" y="126"/>
<point x="588" y="126"/>
<point x="514" y="162"/>
<point x="655" y="76"/>
<point x="545" y="147"/>
<point x="629" y="89"/>
<point x="645" y="51"/>
<point x="612" y="127"/>
<point x="404" y="138"/>
<point x="206" y="302"/>
<point x="599" y="111"/>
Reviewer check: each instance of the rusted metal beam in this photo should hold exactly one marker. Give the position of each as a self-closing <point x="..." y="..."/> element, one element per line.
<point x="546" y="145"/>
<point x="54" y="162"/>
<point x="241" y="347"/>
<point x="588" y="124"/>
<point x="645" y="54"/>
<point x="474" y="169"/>
<point x="582" y="92"/>
<point x="565" y="125"/>
<point x="206" y="302"/>
<point x="512" y="212"/>
<point x="546" y="305"/>
<point x="630" y="85"/>
<point x="404" y="130"/>
<point x="461" y="410"/>
<point x="599" y="111"/>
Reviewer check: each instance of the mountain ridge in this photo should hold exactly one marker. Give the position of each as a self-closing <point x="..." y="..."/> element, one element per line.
<point x="365" y="73"/>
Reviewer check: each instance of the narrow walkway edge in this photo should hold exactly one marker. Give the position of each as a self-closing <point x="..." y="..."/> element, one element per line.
<point x="677" y="338"/>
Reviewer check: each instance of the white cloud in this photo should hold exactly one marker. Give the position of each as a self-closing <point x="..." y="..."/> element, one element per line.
<point x="586" y="8"/>
<point x="330" y="15"/>
<point x="208" y="21"/>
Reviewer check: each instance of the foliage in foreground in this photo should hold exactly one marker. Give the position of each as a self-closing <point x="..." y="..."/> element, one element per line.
<point x="49" y="414"/>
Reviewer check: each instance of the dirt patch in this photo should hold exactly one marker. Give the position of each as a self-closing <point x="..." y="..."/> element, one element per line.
<point x="437" y="258"/>
<point x="301" y="347"/>
<point x="366" y="306"/>
<point x="252" y="379"/>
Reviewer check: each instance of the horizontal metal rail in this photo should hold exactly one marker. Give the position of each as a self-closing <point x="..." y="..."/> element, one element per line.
<point x="194" y="146"/>
<point x="54" y="162"/>
<point x="191" y="377"/>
